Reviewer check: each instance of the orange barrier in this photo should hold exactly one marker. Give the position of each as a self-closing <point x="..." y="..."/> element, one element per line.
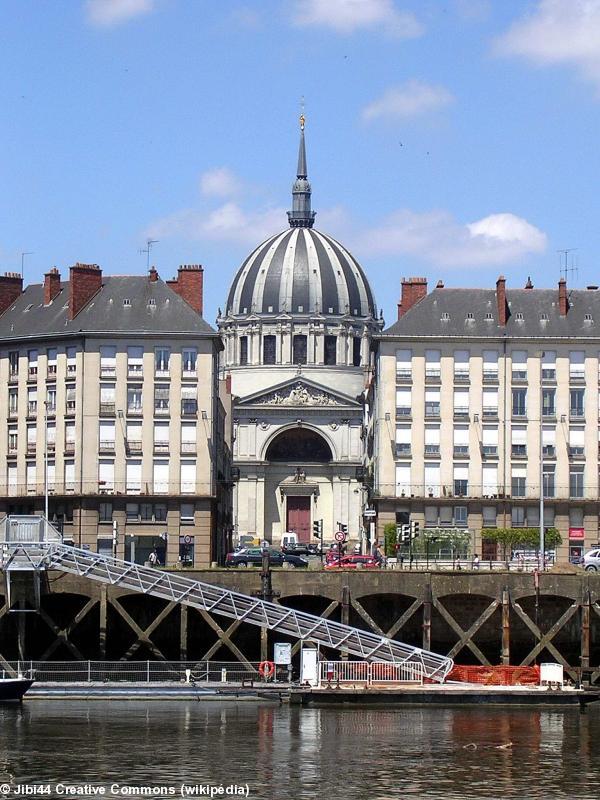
<point x="500" y="675"/>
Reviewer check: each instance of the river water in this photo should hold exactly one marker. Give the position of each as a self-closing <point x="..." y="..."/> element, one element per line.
<point x="131" y="749"/>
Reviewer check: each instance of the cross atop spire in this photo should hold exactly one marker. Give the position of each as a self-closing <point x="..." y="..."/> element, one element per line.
<point x="301" y="215"/>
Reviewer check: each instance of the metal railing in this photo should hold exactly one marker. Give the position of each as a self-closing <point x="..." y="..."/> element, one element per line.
<point x="35" y="554"/>
<point x="365" y="673"/>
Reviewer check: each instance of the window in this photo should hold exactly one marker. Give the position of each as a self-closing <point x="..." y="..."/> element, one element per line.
<point x="51" y="401"/>
<point x="31" y="438"/>
<point x="13" y="363"/>
<point x="188" y="437"/>
<point x="32" y="359"/>
<point x="549" y="441"/>
<point x="160" y="512"/>
<point x="518" y="516"/>
<point x="576" y="365"/>
<point x="13" y="440"/>
<point x="576" y="403"/>
<point x="576" y="518"/>
<point x="548" y="480"/>
<point x="490" y="403"/>
<point x="107" y="435"/>
<point x="69" y="476"/>
<point x="51" y="356"/>
<point x="460" y="516"/>
<point x="461" y="402"/>
<point x="189" y="402"/>
<point x="161" y="437"/>
<point x="489" y="516"/>
<point x="71" y="353"/>
<point x="331" y="351"/>
<point x="146" y="512"/>
<point x="403" y="402"/>
<point x="461" y="480"/>
<point x="490" y="365"/>
<point x="107" y="398"/>
<point x="108" y="361"/>
<point x="161" y="477"/>
<point x="432" y="440"/>
<point x="403" y="440"/>
<point x="518" y="478"/>
<point x="403" y="484"/>
<point x="519" y="440"/>
<point x="432" y="479"/>
<point x="189" y="356"/>
<point x="299" y="349"/>
<point x="31" y="402"/>
<point x="461" y="365"/>
<point x="135" y="361"/>
<point x="134" y="399"/>
<point x="431" y="516"/>
<point x="549" y="365"/>
<point x="461" y="440"/>
<point x="11" y="478"/>
<point x="132" y="512"/>
<point x="13" y="402"/>
<point x="106" y="475"/>
<point x="161" y="361"/>
<point x="134" y="476"/>
<point x="186" y="551"/>
<point x="31" y="477"/>
<point x="548" y="402"/>
<point x="70" y="399"/>
<point x="519" y="402"/>
<point x="269" y="349"/>
<point x="187" y="513"/>
<point x="433" y="367"/>
<point x="576" y="482"/>
<point x="356" y="354"/>
<point x="489" y="440"/>
<point x="432" y="403"/>
<point x="576" y="442"/>
<point x="69" y="437"/>
<point x="489" y="479"/>
<point x="243" y="349"/>
<point x="105" y="512"/>
<point x="446" y="516"/>
<point x="161" y="399"/>
<point x="188" y="476"/>
<point x="519" y="365"/>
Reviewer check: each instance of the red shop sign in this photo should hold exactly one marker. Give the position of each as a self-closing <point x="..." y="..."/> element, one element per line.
<point x="576" y="533"/>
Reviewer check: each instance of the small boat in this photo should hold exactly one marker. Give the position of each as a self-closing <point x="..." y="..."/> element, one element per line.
<point x="12" y="690"/>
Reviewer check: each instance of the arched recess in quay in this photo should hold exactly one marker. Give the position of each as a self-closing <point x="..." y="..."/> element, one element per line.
<point x="328" y="607"/>
<point x="392" y="614"/>
<point x="467" y="627"/>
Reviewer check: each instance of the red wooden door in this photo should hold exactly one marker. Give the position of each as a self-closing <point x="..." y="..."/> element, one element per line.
<point x="298" y="517"/>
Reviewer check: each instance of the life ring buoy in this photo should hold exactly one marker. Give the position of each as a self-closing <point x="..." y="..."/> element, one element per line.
<point x="266" y="669"/>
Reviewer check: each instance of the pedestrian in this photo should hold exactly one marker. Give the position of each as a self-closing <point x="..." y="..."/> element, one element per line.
<point x="475" y="561"/>
<point x="153" y="559"/>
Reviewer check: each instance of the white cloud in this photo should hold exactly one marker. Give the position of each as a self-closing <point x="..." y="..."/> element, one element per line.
<point x="228" y="222"/>
<point x="558" y="32"/>
<point x="106" y="13"/>
<point x="436" y="237"/>
<point x="219" y="182"/>
<point x="347" y="16"/>
<point x="409" y="100"/>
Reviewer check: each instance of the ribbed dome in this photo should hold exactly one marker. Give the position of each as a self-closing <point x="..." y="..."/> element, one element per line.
<point x="300" y="271"/>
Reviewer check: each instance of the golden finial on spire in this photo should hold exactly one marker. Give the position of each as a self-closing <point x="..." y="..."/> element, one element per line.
<point x="302" y="117"/>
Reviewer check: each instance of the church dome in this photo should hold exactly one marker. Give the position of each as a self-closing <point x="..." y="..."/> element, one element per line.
<point x="301" y="270"/>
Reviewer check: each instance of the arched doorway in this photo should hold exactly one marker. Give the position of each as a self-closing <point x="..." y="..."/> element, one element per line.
<point x="300" y="448"/>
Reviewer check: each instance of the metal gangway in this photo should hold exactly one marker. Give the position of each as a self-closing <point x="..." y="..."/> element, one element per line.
<point x="33" y="544"/>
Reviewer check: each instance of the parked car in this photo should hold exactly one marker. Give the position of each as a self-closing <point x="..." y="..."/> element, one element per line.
<point x="252" y="556"/>
<point x="591" y="561"/>
<point x="352" y="562"/>
<point x="301" y="549"/>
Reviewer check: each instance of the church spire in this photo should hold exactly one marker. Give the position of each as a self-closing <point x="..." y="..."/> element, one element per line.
<point x="301" y="215"/>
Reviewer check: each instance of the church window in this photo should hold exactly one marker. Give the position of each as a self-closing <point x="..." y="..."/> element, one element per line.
<point x="356" y="359"/>
<point x="299" y="349"/>
<point x="330" y="350"/>
<point x="269" y="350"/>
<point x="243" y="349"/>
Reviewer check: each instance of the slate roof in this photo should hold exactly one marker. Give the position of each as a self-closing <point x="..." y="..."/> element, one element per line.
<point x="426" y="318"/>
<point x="28" y="317"/>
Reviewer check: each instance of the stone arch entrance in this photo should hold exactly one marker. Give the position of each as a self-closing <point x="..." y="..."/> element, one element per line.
<point x="298" y="446"/>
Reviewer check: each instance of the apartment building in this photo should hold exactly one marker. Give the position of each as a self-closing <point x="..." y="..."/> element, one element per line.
<point x="483" y="397"/>
<point x="113" y="411"/>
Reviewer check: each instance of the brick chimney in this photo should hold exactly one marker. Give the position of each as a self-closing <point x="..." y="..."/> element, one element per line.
<point x="189" y="285"/>
<point x="153" y="275"/>
<point x="413" y="290"/>
<point x="11" y="287"/>
<point x="501" y="298"/>
<point x="51" y="285"/>
<point x="86" y="281"/>
<point x="563" y="303"/>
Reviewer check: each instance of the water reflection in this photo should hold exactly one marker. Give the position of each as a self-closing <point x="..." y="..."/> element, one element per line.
<point x="284" y="752"/>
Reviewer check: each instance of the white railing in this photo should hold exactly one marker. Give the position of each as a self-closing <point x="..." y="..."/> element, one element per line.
<point x="374" y="673"/>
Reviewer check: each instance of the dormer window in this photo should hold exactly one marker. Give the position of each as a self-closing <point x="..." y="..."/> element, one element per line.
<point x="519" y="316"/>
<point x="445" y="315"/>
<point x="544" y="317"/>
<point x="588" y="318"/>
<point x="126" y="302"/>
<point x="470" y="315"/>
<point x="489" y="315"/>
<point x="300" y="309"/>
<point x="152" y="302"/>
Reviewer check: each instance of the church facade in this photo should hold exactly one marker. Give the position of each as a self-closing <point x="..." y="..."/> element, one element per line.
<point x="297" y="331"/>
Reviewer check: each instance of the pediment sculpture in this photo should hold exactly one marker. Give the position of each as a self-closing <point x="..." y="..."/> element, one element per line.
<point x="298" y="394"/>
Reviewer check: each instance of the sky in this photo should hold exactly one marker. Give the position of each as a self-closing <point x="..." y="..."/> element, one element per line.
<point x="452" y="139"/>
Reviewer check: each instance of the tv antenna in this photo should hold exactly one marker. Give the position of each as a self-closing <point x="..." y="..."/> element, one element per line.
<point x="567" y="264"/>
<point x="26" y="253"/>
<point x="148" y="250"/>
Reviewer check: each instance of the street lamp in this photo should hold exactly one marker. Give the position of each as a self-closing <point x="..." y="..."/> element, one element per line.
<point x="46" y="503"/>
<point x="542" y="528"/>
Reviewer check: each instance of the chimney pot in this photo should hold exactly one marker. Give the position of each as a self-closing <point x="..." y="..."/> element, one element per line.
<point x="153" y="275"/>
<point x="439" y="285"/>
<point x="529" y="284"/>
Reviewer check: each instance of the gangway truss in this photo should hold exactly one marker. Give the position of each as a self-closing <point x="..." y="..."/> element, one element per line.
<point x="33" y="544"/>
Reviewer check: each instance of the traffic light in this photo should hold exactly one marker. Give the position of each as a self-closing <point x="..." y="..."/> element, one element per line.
<point x="318" y="528"/>
<point x="415" y="529"/>
<point x="342" y="527"/>
<point x="406" y="533"/>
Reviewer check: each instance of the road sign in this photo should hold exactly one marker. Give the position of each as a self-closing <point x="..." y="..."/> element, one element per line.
<point x="370" y="512"/>
<point x="340" y="536"/>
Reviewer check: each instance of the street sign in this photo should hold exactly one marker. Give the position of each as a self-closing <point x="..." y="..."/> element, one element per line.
<point x="339" y="536"/>
<point x="370" y="512"/>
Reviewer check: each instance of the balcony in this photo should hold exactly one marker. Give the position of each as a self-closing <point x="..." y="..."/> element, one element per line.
<point x="31" y="448"/>
<point x="432" y="410"/>
<point x="71" y="369"/>
<point x="32" y="408"/>
<point x="106" y="446"/>
<point x="161" y="372"/>
<point x="70" y="408"/>
<point x="32" y="373"/>
<point x="189" y="373"/>
<point x="519" y="451"/>
<point x="69" y="448"/>
<point x="461" y="451"/>
<point x="50" y="409"/>
<point x="519" y="414"/>
<point x="107" y="409"/>
<point x="403" y="375"/>
<point x="51" y="447"/>
<point x="188" y="447"/>
<point x="161" y="409"/>
<point x="12" y="449"/>
<point x="106" y="487"/>
<point x="549" y="451"/>
<point x="461" y="376"/>
<point x="135" y="371"/>
<point x="13" y="375"/>
<point x="161" y="487"/>
<point x="433" y="375"/>
<point x="134" y="410"/>
<point x="403" y="450"/>
<point x="519" y="376"/>
<point x="189" y="408"/>
<point x="576" y="453"/>
<point x="577" y="376"/>
<point x="489" y="451"/>
<point x="188" y="487"/>
<point x="133" y="446"/>
<point x="461" y="413"/>
<point x="133" y="487"/>
<point x="13" y="413"/>
<point x="432" y="450"/>
<point x="403" y="412"/>
<point x="162" y="447"/>
<point x="549" y="415"/>
<point x="51" y="373"/>
<point x="107" y="371"/>
<point x="490" y="376"/>
<point x="549" y="375"/>
<point x="69" y="487"/>
<point x="490" y="412"/>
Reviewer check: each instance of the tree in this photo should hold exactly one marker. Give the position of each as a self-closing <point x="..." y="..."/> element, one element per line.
<point x="526" y="538"/>
<point x="390" y="537"/>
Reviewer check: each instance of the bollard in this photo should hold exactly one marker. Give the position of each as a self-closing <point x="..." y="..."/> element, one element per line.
<point x="214" y="565"/>
<point x="188" y="675"/>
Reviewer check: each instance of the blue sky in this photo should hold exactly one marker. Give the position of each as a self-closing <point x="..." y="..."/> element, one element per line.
<point x="456" y="139"/>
